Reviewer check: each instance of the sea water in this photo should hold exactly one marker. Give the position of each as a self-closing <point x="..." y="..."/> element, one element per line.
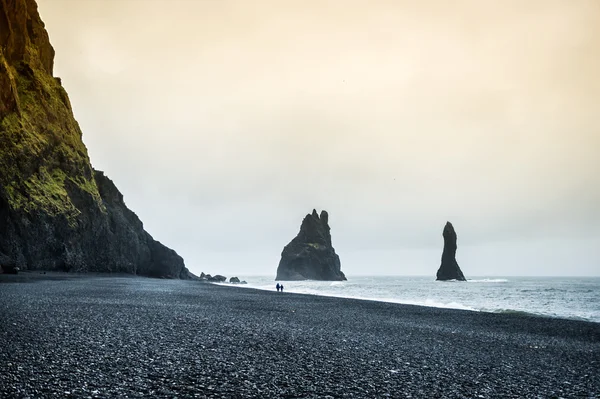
<point x="564" y="297"/>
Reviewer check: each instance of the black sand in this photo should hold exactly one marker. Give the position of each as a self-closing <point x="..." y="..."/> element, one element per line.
<point x="136" y="337"/>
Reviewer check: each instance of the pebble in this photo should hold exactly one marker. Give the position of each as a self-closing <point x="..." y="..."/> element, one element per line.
<point x="139" y="337"/>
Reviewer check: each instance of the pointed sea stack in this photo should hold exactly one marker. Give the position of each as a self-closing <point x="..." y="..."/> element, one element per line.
<point x="449" y="269"/>
<point x="56" y="211"/>
<point x="310" y="255"/>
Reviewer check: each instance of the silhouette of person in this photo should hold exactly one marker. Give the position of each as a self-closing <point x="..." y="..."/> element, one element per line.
<point x="281" y="287"/>
<point x="277" y="286"/>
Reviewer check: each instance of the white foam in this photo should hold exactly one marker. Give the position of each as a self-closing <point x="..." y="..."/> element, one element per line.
<point x="419" y="302"/>
<point x="432" y="303"/>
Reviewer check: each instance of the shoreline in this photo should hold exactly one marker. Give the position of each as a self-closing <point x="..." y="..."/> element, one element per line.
<point x="433" y="303"/>
<point x="33" y="276"/>
<point x="399" y="302"/>
<point x="112" y="336"/>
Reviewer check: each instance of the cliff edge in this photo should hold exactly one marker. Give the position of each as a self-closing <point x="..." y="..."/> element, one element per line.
<point x="56" y="211"/>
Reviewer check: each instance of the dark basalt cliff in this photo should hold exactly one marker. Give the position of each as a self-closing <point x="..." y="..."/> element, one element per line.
<point x="56" y="211"/>
<point x="310" y="255"/>
<point x="449" y="269"/>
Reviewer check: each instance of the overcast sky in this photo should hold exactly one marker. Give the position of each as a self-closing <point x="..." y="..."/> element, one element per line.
<point x="224" y="122"/>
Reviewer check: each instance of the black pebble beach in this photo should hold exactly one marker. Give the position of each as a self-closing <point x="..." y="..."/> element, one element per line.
<point x="109" y="337"/>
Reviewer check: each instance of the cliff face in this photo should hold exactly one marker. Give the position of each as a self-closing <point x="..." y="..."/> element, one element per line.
<point x="449" y="269"/>
<point x="310" y="255"/>
<point x="56" y="211"/>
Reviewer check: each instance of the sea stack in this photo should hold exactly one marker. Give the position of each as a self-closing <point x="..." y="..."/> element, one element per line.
<point x="310" y="255"/>
<point x="449" y="269"/>
<point x="56" y="211"/>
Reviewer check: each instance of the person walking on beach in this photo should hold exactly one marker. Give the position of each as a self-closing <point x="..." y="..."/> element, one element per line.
<point x="277" y="286"/>
<point x="281" y="287"/>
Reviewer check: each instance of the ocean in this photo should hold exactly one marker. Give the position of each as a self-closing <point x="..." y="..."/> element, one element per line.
<point x="564" y="297"/>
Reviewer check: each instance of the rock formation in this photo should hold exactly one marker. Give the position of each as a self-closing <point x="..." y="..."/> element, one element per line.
<point x="310" y="256"/>
<point x="217" y="279"/>
<point x="449" y="269"/>
<point x="56" y="211"/>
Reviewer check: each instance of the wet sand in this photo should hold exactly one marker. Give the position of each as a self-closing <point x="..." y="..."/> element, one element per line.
<point x="83" y="336"/>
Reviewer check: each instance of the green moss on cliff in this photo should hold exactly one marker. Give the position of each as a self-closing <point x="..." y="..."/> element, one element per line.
<point x="45" y="191"/>
<point x="41" y="146"/>
<point x="51" y="214"/>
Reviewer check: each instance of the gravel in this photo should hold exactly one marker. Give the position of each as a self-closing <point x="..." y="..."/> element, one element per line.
<point x="138" y="337"/>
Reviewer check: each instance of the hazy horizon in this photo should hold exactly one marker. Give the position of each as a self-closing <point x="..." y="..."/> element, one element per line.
<point x="224" y="123"/>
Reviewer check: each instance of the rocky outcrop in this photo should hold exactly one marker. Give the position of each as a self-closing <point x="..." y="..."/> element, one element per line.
<point x="449" y="269"/>
<point x="217" y="279"/>
<point x="56" y="211"/>
<point x="310" y="256"/>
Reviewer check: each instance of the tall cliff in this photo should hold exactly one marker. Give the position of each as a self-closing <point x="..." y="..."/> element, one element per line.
<point x="56" y="211"/>
<point x="310" y="255"/>
<point x="449" y="269"/>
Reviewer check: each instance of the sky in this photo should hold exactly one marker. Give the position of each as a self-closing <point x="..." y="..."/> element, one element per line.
<point x="224" y="123"/>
